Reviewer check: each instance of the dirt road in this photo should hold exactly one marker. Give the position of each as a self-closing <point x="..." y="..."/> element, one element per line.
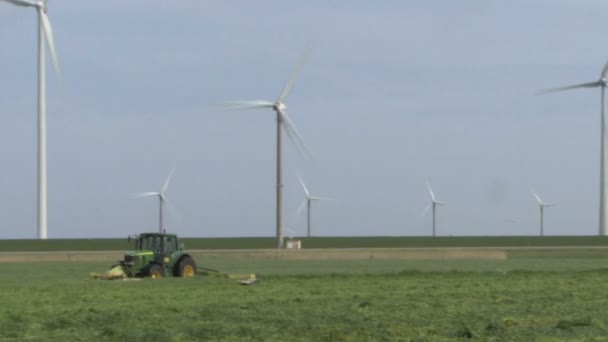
<point x="302" y="254"/>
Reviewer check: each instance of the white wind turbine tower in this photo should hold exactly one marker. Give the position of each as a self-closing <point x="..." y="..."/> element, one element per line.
<point x="283" y="123"/>
<point x="162" y="199"/>
<point x="433" y="206"/>
<point x="601" y="83"/>
<point x="542" y="207"/>
<point x="307" y="202"/>
<point x="45" y="34"/>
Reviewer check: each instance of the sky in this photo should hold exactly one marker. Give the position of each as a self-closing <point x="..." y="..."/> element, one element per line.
<point x="396" y="93"/>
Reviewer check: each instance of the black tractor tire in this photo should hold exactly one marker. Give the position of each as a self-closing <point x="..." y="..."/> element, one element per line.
<point x="155" y="271"/>
<point x="186" y="268"/>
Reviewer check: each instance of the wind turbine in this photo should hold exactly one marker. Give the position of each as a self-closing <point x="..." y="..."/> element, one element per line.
<point x="433" y="206"/>
<point x="600" y="83"/>
<point x="162" y="199"/>
<point x="45" y="34"/>
<point x="283" y="123"/>
<point x="542" y="206"/>
<point x="307" y="202"/>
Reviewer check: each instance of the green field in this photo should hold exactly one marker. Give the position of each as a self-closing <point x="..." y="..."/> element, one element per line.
<point x="553" y="296"/>
<point x="315" y="242"/>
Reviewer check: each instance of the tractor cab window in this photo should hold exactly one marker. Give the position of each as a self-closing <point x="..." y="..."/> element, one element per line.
<point x="170" y="244"/>
<point x="149" y="243"/>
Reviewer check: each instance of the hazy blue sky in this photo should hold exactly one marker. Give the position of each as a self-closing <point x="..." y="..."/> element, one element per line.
<point x="396" y="92"/>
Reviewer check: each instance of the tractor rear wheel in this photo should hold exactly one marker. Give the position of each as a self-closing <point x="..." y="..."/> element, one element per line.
<point x="186" y="268"/>
<point x="155" y="271"/>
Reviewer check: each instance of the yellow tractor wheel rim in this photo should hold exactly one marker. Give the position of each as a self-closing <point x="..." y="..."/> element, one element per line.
<point x="156" y="274"/>
<point x="188" y="271"/>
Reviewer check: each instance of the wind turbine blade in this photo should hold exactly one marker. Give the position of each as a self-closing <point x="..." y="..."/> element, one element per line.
<point x="550" y="205"/>
<point x="441" y="203"/>
<point x="537" y="197"/>
<point x="314" y="198"/>
<point x="50" y="41"/>
<point x="166" y="185"/>
<point x="290" y="232"/>
<point x="425" y="210"/>
<point x="241" y="105"/>
<point x="576" y="86"/>
<point x="301" y="208"/>
<point x="294" y="75"/>
<point x="146" y="194"/>
<point x="293" y="134"/>
<point x="21" y="3"/>
<point x="304" y="187"/>
<point x="428" y="185"/>
<point x="605" y="70"/>
<point x="295" y="137"/>
<point x="170" y="206"/>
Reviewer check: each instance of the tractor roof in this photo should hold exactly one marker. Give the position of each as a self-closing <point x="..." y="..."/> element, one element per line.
<point x="155" y="234"/>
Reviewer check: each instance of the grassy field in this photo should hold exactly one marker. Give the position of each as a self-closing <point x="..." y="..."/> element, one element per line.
<point x="315" y="242"/>
<point x="529" y="296"/>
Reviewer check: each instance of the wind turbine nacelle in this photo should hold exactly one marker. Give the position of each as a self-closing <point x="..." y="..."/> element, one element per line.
<point x="279" y="106"/>
<point x="41" y="5"/>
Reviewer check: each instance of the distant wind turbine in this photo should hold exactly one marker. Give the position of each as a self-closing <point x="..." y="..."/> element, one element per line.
<point x="433" y="206"/>
<point x="162" y="199"/>
<point x="283" y="123"/>
<point x="45" y="34"/>
<point x="601" y="83"/>
<point x="307" y="202"/>
<point x="542" y="207"/>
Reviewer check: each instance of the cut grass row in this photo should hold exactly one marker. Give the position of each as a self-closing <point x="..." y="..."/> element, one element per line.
<point x="315" y="242"/>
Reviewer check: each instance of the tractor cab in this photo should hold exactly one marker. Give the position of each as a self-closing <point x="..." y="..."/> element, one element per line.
<point x="163" y="245"/>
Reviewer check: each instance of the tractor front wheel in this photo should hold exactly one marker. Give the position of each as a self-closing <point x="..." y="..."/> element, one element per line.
<point x="155" y="271"/>
<point x="186" y="268"/>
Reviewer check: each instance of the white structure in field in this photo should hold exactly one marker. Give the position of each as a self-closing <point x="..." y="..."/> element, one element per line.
<point x="433" y="206"/>
<point x="601" y="83"/>
<point x="45" y="37"/>
<point x="283" y="123"/>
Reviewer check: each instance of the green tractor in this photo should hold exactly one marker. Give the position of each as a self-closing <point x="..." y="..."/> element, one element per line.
<point x="155" y="255"/>
<point x="158" y="255"/>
